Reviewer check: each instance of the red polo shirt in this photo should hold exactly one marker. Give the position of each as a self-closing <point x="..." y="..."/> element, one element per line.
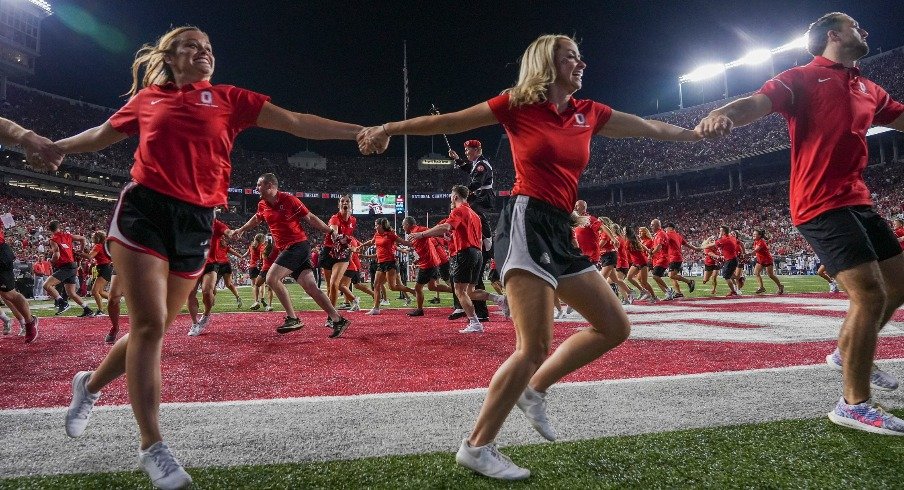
<point x="217" y="252"/>
<point x="386" y="245"/>
<point x="761" y="249"/>
<point x="466" y="230"/>
<point x="427" y="256"/>
<point x="899" y="232"/>
<point x="588" y="238"/>
<point x="550" y="149"/>
<point x="727" y="246"/>
<point x="101" y="257"/>
<point x="282" y="218"/>
<point x="64" y="243"/>
<point x="676" y="241"/>
<point x="344" y="227"/>
<point x="829" y="108"/>
<point x="661" y="258"/>
<point x="185" y="136"/>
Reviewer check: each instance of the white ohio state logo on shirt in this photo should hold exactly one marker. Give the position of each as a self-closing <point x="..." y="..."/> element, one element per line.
<point x="206" y="99"/>
<point x="580" y="120"/>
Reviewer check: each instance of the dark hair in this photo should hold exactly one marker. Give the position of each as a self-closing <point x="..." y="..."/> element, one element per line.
<point x="461" y="191"/>
<point x="54" y="226"/>
<point x="270" y="177"/>
<point x="670" y="225"/>
<point x="409" y="220"/>
<point x="384" y="224"/>
<point x="724" y="229"/>
<point x="631" y="235"/>
<point x="817" y="39"/>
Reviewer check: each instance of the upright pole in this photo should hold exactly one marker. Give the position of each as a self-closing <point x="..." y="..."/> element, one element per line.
<point x="405" y="116"/>
<point x="680" y="96"/>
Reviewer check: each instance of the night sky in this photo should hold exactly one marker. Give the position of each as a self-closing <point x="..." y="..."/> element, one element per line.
<point x="343" y="60"/>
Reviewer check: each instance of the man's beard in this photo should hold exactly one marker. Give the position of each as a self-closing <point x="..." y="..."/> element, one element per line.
<point x="859" y="50"/>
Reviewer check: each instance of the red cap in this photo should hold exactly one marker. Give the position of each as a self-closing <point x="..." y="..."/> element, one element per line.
<point x="472" y="144"/>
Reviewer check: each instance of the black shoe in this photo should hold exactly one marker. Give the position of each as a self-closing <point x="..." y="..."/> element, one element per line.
<point x="289" y="325"/>
<point x="434" y="301"/>
<point x="692" y="285"/>
<point x="417" y="312"/>
<point x="339" y="326"/>
<point x="457" y="315"/>
<point x="110" y="339"/>
<point x="86" y="312"/>
<point x="62" y="306"/>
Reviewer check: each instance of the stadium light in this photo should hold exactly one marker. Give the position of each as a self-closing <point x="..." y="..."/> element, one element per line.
<point x="704" y="72"/>
<point x="756" y="57"/>
<point x="799" y="43"/>
<point x="44" y="5"/>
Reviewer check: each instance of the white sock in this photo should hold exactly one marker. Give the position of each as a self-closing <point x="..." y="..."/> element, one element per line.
<point x="3" y="316"/>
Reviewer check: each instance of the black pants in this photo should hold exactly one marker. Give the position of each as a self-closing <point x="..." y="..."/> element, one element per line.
<point x="480" y="307"/>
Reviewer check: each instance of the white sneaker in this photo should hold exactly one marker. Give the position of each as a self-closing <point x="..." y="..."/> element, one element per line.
<point x="533" y="404"/>
<point x="833" y="287"/>
<point x="268" y="308"/>
<point x="79" y="412"/>
<point x="568" y="310"/>
<point x="384" y="302"/>
<point x="195" y="330"/>
<point x="7" y="326"/>
<point x="558" y="314"/>
<point x="356" y="305"/>
<point x="238" y="303"/>
<point x="488" y="461"/>
<point x="21" y="328"/>
<point x="162" y="467"/>
<point x="374" y="311"/>
<point x="644" y="296"/>
<point x="201" y="325"/>
<point x="504" y="306"/>
<point x="408" y="301"/>
<point x="474" y="326"/>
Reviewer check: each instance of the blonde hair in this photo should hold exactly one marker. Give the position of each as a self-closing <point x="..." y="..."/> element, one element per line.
<point x="537" y="72"/>
<point x="150" y="58"/>
<point x="645" y="232"/>
<point x="259" y="239"/>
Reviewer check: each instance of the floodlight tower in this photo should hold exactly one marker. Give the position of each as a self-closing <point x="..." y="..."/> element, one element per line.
<point x="20" y="36"/>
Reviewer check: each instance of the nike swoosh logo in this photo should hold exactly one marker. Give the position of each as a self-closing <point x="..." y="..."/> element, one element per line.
<point x="824" y="80"/>
<point x="155" y="101"/>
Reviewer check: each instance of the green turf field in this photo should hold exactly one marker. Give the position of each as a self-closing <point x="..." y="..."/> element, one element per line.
<point x="786" y="454"/>
<point x="225" y="301"/>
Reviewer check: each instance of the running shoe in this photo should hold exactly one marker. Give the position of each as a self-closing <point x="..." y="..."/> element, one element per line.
<point x="488" y="461"/>
<point x="692" y="285"/>
<point x="669" y="294"/>
<point x="238" y="303"/>
<point x="833" y="287"/>
<point x="730" y="294"/>
<point x="7" y="326"/>
<point x="21" y="328"/>
<point x="677" y="295"/>
<point x="417" y="312"/>
<point x="504" y="306"/>
<point x="289" y="325"/>
<point x="264" y="304"/>
<point x="255" y="306"/>
<point x="473" y="327"/>
<point x="268" y="307"/>
<point x="339" y="327"/>
<point x="99" y="313"/>
<point x="344" y="306"/>
<point x="164" y="470"/>
<point x="878" y="378"/>
<point x="356" y="305"/>
<point x="373" y="311"/>
<point x="86" y="312"/>
<point x="62" y="307"/>
<point x="533" y="404"/>
<point x="384" y="302"/>
<point x="110" y="339"/>
<point x="760" y="291"/>
<point x="434" y="301"/>
<point x="195" y="330"/>
<point x="867" y="416"/>
<point x="31" y="330"/>
<point x="741" y="281"/>
<point x="79" y="413"/>
<point x="407" y="300"/>
<point x="456" y="314"/>
<point x="781" y="289"/>
<point x="568" y="310"/>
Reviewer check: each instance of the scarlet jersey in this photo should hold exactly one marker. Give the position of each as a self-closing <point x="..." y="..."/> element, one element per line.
<point x="761" y="249"/>
<point x="217" y="252"/>
<point x="727" y="247"/>
<point x="637" y="256"/>
<point x="427" y="256"/>
<point x="254" y="254"/>
<point x="64" y="244"/>
<point x="354" y="260"/>
<point x="829" y="108"/>
<point x="101" y="256"/>
<point x="739" y="246"/>
<point x="282" y="218"/>
<point x="588" y="238"/>
<point x="344" y="227"/>
<point x="707" y="259"/>
<point x="661" y="257"/>
<point x="270" y="259"/>
<point x="899" y="232"/>
<point x="623" y="261"/>
<point x="466" y="228"/>
<point x="185" y="136"/>
<point x="606" y="244"/>
<point x="550" y="149"/>
<point x="676" y="241"/>
<point x="442" y="248"/>
<point x="386" y="245"/>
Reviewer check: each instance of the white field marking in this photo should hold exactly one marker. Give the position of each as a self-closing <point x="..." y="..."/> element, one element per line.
<point x="436" y="394"/>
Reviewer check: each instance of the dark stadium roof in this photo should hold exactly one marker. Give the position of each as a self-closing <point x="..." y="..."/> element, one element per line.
<point x="338" y="60"/>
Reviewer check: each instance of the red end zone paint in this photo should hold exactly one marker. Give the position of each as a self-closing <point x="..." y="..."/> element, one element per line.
<point x="240" y="357"/>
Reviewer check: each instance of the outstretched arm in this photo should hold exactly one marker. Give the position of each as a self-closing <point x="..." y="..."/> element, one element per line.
<point x="306" y="126"/>
<point x="622" y="125"/>
<point x="94" y="139"/>
<point x="40" y="152"/>
<point x="376" y="138"/>
<point x="738" y="113"/>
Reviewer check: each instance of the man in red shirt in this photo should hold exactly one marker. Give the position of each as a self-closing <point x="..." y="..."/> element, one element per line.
<point x="428" y="261"/>
<point x="12" y="297"/>
<point x="829" y="107"/>
<point x="282" y="212"/>
<point x="588" y="237"/>
<point x="42" y="270"/>
<point x="659" y="257"/>
<point x="899" y="231"/>
<point x="676" y="259"/>
<point x="66" y="268"/>
<point x="467" y="260"/>
<point x="729" y="250"/>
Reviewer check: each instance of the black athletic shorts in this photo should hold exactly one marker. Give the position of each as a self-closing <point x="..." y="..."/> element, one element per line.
<point x="327" y="260"/>
<point x="709" y="268"/>
<point x="7" y="258"/>
<point x="535" y="236"/>
<point x="296" y="258"/>
<point x="847" y="237"/>
<point x="225" y="269"/>
<point x="66" y="273"/>
<point x="658" y="270"/>
<point x="623" y="270"/>
<point x="387" y="266"/>
<point x="254" y="272"/>
<point x="355" y="276"/>
<point x="767" y="264"/>
<point x="466" y="266"/>
<point x="609" y="259"/>
<point x="424" y="276"/>
<point x="105" y="271"/>
<point x="728" y="268"/>
<point x="444" y="272"/>
<point x="149" y="222"/>
<point x="675" y="266"/>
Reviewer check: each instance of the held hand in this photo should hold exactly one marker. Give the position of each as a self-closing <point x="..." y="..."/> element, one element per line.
<point x="372" y="140"/>
<point x="414" y="236"/>
<point x="41" y="153"/>
<point x="453" y="155"/>
<point x="714" y="126"/>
